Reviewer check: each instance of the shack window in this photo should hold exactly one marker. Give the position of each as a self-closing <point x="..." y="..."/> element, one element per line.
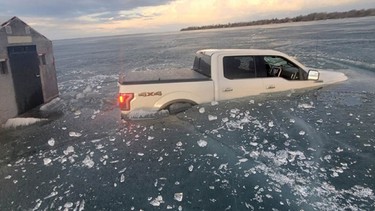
<point x="27" y="29"/>
<point x="3" y="66"/>
<point x="239" y="67"/>
<point x="8" y="29"/>
<point x="42" y="59"/>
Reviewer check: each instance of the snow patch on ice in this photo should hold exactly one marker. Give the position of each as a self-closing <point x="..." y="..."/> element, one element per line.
<point x="49" y="105"/>
<point x="19" y="121"/>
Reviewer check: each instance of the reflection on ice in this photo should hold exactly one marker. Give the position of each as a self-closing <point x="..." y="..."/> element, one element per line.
<point x="147" y="114"/>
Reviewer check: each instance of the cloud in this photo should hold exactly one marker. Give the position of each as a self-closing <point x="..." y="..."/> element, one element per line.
<point x="69" y="9"/>
<point x="80" y="18"/>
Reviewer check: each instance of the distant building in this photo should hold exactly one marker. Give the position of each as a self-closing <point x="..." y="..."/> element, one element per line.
<point x="27" y="69"/>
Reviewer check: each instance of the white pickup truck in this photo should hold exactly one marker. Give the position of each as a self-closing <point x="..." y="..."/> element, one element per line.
<point x="218" y="74"/>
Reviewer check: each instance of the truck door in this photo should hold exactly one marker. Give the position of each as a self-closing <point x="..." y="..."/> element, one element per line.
<point x="239" y="77"/>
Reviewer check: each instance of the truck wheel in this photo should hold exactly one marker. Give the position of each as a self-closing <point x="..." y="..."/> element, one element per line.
<point x="179" y="107"/>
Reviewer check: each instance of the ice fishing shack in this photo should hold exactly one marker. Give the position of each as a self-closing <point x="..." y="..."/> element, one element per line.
<point x="27" y="69"/>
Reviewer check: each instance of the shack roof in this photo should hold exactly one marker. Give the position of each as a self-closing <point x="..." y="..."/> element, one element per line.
<point x="15" y="18"/>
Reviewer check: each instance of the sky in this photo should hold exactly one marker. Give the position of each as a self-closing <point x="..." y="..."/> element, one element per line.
<point x="64" y="19"/>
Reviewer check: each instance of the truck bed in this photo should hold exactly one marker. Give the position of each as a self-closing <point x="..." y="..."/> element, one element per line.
<point x="162" y="76"/>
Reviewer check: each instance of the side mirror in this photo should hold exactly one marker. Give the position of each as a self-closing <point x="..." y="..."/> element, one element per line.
<point x="313" y="75"/>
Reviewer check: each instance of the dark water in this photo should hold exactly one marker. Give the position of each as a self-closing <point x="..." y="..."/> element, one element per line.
<point x="305" y="150"/>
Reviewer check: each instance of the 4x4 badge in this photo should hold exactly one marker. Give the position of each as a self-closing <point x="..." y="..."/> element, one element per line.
<point x="150" y="94"/>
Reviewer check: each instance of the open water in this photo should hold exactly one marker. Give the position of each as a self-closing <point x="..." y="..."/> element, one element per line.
<point x="304" y="150"/>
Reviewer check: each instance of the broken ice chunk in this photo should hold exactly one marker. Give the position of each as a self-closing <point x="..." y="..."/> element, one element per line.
<point x="74" y="134"/>
<point x="211" y="117"/>
<point x="179" y="144"/>
<point x="178" y="196"/>
<point x="68" y="150"/>
<point x="270" y="124"/>
<point x="68" y="205"/>
<point x="306" y="106"/>
<point x="122" y="178"/>
<point x="47" y="161"/>
<point x="51" y="142"/>
<point x="202" y="143"/>
<point x="157" y="201"/>
<point x="88" y="162"/>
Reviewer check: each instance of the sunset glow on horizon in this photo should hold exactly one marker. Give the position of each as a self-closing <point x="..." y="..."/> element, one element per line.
<point x="124" y="17"/>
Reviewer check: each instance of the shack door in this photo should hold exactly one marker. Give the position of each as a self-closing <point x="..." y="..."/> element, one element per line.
<point x="24" y="63"/>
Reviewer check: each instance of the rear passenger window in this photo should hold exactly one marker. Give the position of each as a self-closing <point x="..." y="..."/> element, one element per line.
<point x="203" y="65"/>
<point x="239" y="67"/>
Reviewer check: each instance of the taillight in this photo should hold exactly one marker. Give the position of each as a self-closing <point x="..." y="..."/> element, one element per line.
<point x="124" y="100"/>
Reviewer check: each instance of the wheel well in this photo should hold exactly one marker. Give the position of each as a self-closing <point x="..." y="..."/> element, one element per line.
<point x="165" y="106"/>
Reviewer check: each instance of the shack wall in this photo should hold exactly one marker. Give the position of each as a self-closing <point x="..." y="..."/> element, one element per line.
<point x="8" y="106"/>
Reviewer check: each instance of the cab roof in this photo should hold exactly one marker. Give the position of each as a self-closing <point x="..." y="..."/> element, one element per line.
<point x="210" y="52"/>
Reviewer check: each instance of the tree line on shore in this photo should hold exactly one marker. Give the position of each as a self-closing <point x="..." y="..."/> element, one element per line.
<point x="300" y="18"/>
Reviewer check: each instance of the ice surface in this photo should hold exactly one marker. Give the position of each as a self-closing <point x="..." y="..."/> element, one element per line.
<point x="306" y="151"/>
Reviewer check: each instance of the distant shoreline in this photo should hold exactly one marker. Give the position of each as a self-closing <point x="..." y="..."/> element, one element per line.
<point x="300" y="18"/>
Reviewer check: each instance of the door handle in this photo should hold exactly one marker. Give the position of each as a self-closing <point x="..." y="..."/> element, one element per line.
<point x="37" y="75"/>
<point x="228" y="90"/>
<point x="271" y="86"/>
